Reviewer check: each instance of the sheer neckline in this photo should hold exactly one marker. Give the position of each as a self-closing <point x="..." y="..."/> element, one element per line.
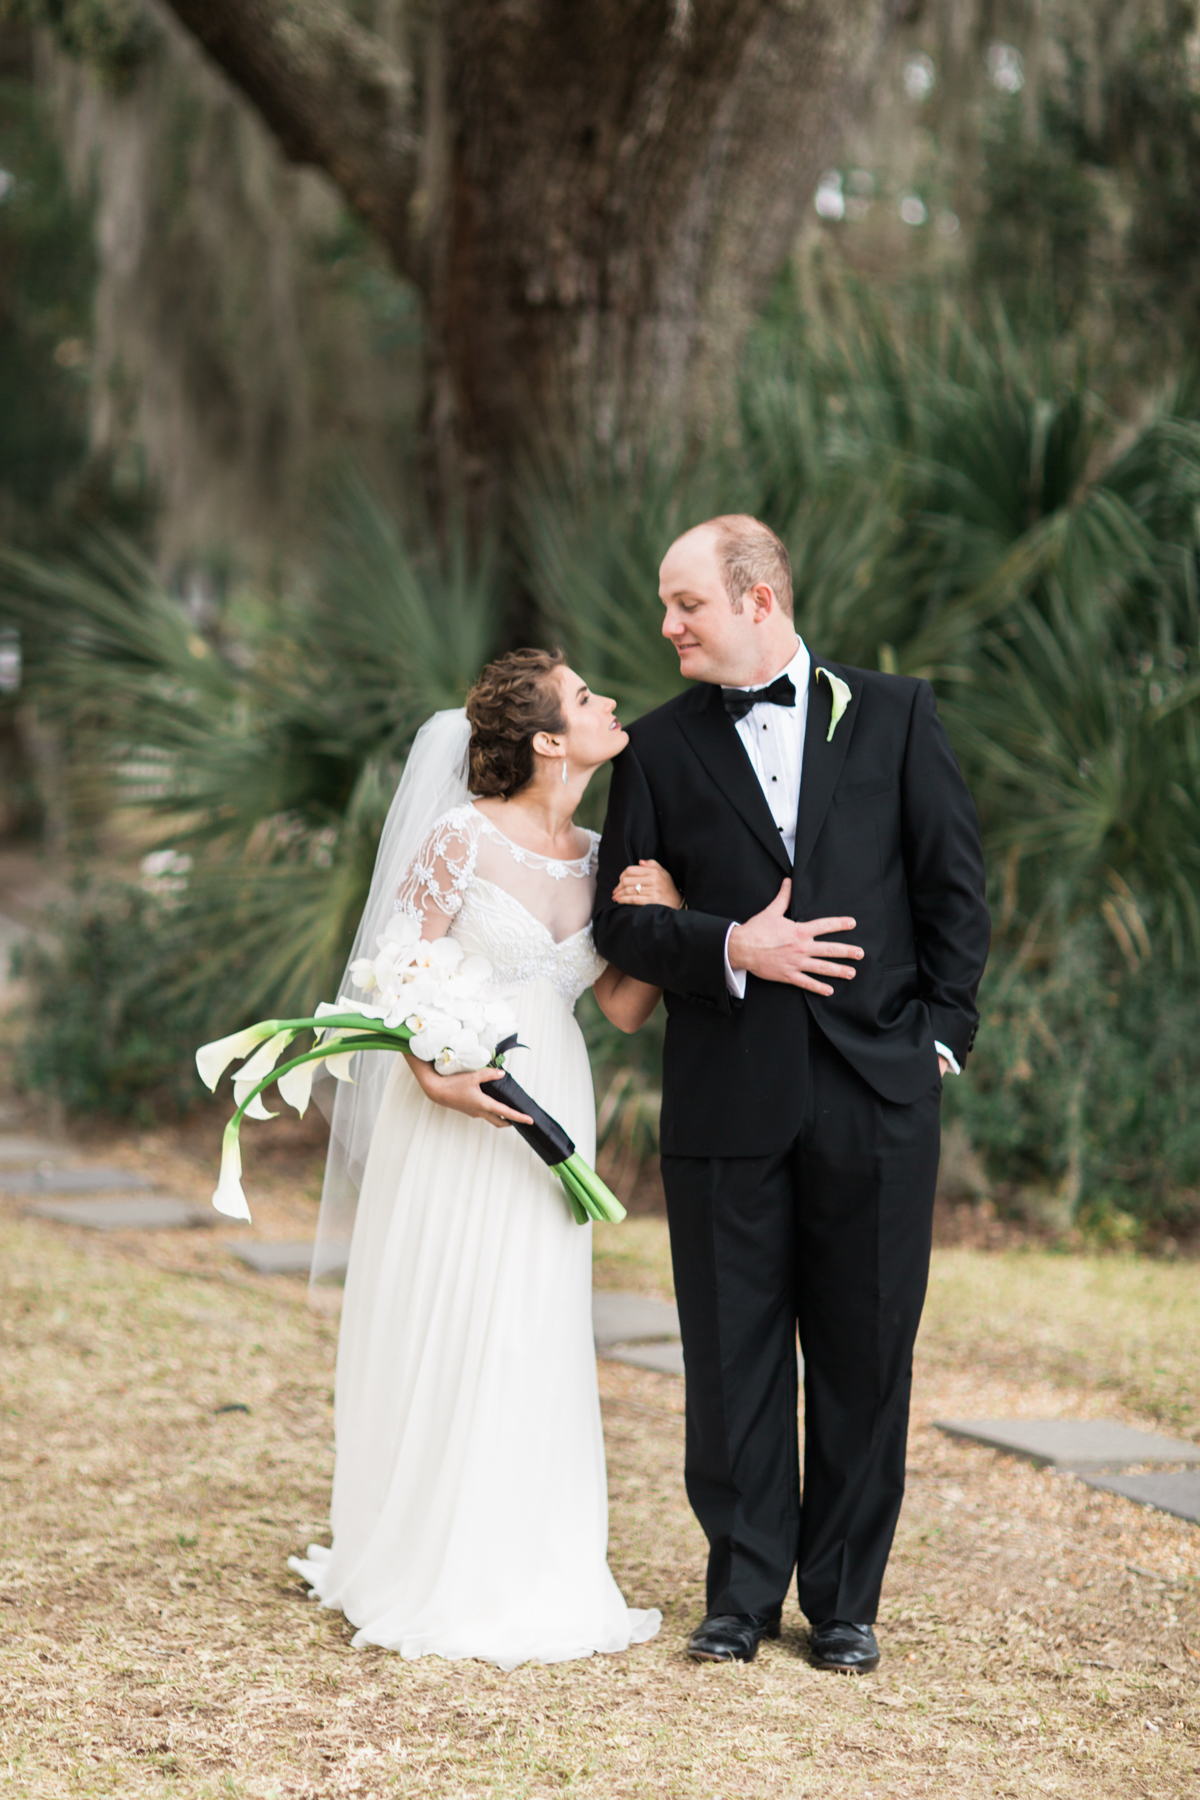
<point x="519" y="851"/>
<point x="482" y="881"/>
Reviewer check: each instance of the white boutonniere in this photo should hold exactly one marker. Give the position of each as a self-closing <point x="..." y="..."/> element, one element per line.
<point x="841" y="700"/>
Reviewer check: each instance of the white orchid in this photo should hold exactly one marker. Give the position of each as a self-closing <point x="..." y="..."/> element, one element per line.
<point x="229" y="1198"/>
<point x="841" y="699"/>
<point x="461" y="1051"/>
<point x="443" y="954"/>
<point x="213" y="1059"/>
<point x="401" y="929"/>
<point x="432" y="1031"/>
<point x="362" y="974"/>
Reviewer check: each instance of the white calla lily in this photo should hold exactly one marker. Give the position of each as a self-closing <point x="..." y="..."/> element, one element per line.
<point x="339" y="1066"/>
<point x="254" y="1107"/>
<point x="841" y="699"/>
<point x="213" y="1059"/>
<point x="366" y="1012"/>
<point x="229" y="1198"/>
<point x="295" y="1087"/>
<point x="264" y="1060"/>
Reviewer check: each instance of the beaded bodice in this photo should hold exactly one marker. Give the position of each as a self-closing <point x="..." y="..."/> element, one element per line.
<point x="530" y="915"/>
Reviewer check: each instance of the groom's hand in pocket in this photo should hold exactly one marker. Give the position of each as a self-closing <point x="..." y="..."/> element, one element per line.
<point x="797" y="951"/>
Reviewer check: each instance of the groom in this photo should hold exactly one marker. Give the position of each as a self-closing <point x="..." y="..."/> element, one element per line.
<point x="819" y="983"/>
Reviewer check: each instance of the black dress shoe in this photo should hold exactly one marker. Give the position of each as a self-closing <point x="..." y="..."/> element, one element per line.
<point x="851" y="1649"/>
<point x="730" y="1637"/>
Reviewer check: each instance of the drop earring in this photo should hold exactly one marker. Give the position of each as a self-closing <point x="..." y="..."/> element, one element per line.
<point x="564" y="771"/>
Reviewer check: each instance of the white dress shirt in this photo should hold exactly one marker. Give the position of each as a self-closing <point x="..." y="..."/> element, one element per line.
<point x="773" y="737"/>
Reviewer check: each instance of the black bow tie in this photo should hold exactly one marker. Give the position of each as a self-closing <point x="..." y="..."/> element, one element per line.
<point x="738" y="701"/>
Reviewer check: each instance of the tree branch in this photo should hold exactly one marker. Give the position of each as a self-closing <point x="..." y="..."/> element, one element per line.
<point x="334" y="94"/>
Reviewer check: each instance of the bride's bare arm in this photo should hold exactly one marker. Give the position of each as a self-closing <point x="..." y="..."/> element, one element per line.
<point x="627" y="1002"/>
<point x="466" y="1093"/>
<point x="624" y="1000"/>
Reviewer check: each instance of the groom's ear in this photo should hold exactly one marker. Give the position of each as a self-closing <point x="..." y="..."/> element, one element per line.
<point x="762" y="600"/>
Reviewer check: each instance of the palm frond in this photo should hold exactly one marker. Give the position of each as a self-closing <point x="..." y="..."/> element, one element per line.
<point x="274" y="755"/>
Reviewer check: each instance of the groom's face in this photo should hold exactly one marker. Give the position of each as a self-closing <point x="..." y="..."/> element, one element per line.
<point x="713" y="642"/>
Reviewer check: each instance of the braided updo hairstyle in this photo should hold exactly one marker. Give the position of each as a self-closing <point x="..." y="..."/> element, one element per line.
<point x="511" y="702"/>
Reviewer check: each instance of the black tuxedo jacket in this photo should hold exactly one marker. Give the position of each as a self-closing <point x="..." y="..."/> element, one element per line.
<point x="886" y="834"/>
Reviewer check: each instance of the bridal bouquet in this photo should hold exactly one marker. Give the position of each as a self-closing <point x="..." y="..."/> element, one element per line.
<point x="427" y="998"/>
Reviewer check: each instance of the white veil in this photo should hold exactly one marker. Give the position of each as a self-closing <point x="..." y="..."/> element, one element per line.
<point x="434" y="781"/>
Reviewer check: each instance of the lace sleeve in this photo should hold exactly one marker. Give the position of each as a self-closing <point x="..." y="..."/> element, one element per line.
<point x="439" y="875"/>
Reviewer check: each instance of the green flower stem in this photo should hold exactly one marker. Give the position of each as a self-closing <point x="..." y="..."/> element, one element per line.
<point x="387" y="1038"/>
<point x="347" y="1021"/>
<point x="600" y="1197"/>
<point x="586" y="1191"/>
<point x="579" y="1211"/>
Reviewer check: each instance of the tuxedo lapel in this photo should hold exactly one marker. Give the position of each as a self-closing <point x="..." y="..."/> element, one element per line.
<point x="823" y="758"/>
<point x="712" y="735"/>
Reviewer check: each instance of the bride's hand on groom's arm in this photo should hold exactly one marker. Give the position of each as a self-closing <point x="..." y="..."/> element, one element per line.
<point x="647" y="883"/>
<point x="776" y="948"/>
<point x="624" y="1000"/>
<point x="466" y="1093"/>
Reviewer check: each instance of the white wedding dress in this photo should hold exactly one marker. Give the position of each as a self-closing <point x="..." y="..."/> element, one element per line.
<point x="470" y="1511"/>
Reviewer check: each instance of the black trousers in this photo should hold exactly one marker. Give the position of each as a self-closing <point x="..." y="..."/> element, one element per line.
<point x="832" y="1236"/>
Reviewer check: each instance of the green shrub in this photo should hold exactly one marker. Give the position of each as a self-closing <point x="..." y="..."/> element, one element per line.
<point x="107" y="1030"/>
<point x="1081" y="1088"/>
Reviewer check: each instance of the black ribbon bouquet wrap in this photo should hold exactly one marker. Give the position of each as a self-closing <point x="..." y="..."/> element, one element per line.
<point x="545" y="1135"/>
<point x="587" y="1195"/>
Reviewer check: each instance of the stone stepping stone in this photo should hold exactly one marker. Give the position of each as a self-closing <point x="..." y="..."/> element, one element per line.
<point x="664" y="1359"/>
<point x="1075" y="1444"/>
<point x="29" y="1150"/>
<point x="69" y="1181"/>
<point x="1177" y="1493"/>
<point x="275" y="1258"/>
<point x="631" y="1319"/>
<point x="123" y="1212"/>
<point x="630" y="1328"/>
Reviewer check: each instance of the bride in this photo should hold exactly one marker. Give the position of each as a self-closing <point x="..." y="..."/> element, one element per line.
<point x="469" y="1513"/>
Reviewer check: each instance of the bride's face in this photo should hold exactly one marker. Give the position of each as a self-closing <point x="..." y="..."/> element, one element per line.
<point x="594" y="734"/>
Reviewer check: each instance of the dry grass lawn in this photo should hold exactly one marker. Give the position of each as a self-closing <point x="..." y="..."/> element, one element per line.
<point x="1039" y="1638"/>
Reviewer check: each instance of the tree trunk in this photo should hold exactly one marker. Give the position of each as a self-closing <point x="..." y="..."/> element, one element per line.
<point x="593" y="197"/>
